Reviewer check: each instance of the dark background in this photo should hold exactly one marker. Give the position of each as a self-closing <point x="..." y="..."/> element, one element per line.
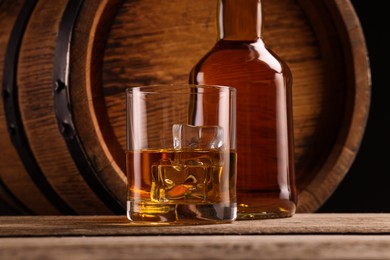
<point x="366" y="187"/>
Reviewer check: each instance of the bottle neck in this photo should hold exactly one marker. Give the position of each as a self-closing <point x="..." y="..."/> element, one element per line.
<point x="239" y="20"/>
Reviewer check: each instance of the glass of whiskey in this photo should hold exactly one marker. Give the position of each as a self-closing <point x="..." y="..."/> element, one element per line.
<point x="181" y="154"/>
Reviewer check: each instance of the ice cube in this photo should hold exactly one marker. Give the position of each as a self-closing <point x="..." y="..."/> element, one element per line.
<point x="197" y="137"/>
<point x="171" y="182"/>
<point x="198" y="157"/>
<point x="193" y="181"/>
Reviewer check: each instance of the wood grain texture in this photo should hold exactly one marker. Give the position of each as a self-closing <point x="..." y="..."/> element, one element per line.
<point x="120" y="226"/>
<point x="356" y="99"/>
<point x="304" y="236"/>
<point x="14" y="176"/>
<point x="199" y="247"/>
<point x="35" y="81"/>
<point x="89" y="109"/>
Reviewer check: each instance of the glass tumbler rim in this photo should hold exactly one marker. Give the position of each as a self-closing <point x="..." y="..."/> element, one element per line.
<point x="151" y="89"/>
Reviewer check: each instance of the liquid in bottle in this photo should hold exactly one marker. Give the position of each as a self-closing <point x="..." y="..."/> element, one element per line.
<point x="241" y="59"/>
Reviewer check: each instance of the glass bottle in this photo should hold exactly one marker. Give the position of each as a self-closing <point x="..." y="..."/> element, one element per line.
<point x="265" y="153"/>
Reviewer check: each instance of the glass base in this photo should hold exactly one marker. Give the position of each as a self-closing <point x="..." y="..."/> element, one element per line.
<point x="176" y="214"/>
<point x="264" y="209"/>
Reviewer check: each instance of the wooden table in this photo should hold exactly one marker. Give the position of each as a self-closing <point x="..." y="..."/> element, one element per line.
<point x="304" y="236"/>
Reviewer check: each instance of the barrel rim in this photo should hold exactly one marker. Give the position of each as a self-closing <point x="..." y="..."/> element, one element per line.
<point x="63" y="107"/>
<point x="343" y="153"/>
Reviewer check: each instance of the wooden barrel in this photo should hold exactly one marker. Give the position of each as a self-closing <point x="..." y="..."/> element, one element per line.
<point x="64" y="66"/>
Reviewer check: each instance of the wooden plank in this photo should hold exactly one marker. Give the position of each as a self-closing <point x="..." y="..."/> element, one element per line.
<point x="119" y="226"/>
<point x="198" y="247"/>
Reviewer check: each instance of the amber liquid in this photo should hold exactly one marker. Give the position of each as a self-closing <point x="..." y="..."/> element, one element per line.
<point x="181" y="186"/>
<point x="265" y="167"/>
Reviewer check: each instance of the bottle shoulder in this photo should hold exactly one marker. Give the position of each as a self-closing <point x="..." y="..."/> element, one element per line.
<point x="247" y="54"/>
